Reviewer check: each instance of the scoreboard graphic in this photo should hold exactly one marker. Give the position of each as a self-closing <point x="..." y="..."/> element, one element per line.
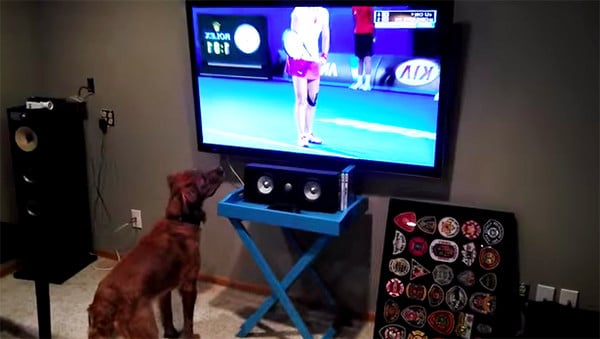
<point x="234" y="45"/>
<point x="405" y="18"/>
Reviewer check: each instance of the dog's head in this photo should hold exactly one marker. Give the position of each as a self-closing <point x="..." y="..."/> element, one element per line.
<point x="188" y="190"/>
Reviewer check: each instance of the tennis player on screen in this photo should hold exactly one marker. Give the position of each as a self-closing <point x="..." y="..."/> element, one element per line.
<point x="301" y="43"/>
<point x="364" y="30"/>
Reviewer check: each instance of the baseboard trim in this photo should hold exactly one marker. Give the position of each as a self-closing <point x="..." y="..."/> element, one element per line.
<point x="253" y="288"/>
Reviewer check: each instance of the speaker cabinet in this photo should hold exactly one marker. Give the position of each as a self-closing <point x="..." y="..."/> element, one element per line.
<point x="292" y="188"/>
<point x="51" y="187"/>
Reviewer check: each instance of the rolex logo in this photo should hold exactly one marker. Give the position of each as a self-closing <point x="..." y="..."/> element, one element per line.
<point x="216" y="26"/>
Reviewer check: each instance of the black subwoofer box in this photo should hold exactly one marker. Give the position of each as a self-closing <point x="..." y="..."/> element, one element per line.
<point x="292" y="188"/>
<point x="48" y="151"/>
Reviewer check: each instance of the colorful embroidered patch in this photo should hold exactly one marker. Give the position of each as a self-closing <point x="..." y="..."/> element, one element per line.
<point x="415" y="315"/>
<point x="489" y="258"/>
<point x="427" y="224"/>
<point x="391" y="311"/>
<point x="493" y="232"/>
<point x="435" y="295"/>
<point x="417" y="246"/>
<point x="399" y="266"/>
<point x="399" y="243"/>
<point x="489" y="281"/>
<point x="469" y="253"/>
<point x="406" y="221"/>
<point x="471" y="229"/>
<point x="441" y="321"/>
<point x="443" y="274"/>
<point x="464" y="325"/>
<point x="443" y="250"/>
<point x="483" y="303"/>
<point x="416" y="291"/>
<point x="392" y="331"/>
<point x="467" y="278"/>
<point x="416" y="334"/>
<point x="456" y="298"/>
<point x="484" y="328"/>
<point x="448" y="227"/>
<point x="394" y="287"/>
<point x="418" y="270"/>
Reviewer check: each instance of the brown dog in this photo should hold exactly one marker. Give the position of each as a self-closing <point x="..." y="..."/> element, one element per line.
<point x="166" y="258"/>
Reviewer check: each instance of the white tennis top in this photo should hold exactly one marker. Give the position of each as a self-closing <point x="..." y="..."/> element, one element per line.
<point x="308" y="22"/>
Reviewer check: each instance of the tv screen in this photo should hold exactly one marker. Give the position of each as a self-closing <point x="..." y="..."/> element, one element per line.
<point x="336" y="83"/>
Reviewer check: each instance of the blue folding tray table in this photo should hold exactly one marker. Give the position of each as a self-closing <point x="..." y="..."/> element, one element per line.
<point x="326" y="225"/>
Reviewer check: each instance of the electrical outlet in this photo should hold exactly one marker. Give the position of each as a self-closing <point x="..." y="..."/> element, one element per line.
<point x="544" y="292"/>
<point x="136" y="219"/>
<point x="109" y="116"/>
<point x="568" y="297"/>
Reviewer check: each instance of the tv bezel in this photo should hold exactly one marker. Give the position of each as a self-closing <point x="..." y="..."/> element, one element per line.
<point x="447" y="93"/>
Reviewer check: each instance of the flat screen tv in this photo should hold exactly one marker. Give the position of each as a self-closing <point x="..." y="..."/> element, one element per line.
<point x="329" y="83"/>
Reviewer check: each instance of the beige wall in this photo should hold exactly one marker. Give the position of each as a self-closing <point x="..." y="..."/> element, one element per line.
<point x="527" y="142"/>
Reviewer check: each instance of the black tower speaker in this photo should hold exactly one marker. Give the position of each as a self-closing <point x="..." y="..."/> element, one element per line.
<point x="50" y="172"/>
<point x="292" y="188"/>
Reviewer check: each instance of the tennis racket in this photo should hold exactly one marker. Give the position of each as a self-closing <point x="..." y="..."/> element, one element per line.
<point x="294" y="46"/>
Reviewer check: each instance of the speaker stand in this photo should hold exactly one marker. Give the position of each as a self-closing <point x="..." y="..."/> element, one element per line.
<point x="58" y="272"/>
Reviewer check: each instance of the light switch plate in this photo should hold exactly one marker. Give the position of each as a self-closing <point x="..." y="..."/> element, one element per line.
<point x="568" y="297"/>
<point x="544" y="292"/>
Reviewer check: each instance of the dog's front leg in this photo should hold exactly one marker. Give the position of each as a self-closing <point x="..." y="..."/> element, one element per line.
<point x="166" y="315"/>
<point x="188" y="297"/>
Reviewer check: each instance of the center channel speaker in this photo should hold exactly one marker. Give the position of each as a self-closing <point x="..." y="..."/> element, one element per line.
<point x="294" y="189"/>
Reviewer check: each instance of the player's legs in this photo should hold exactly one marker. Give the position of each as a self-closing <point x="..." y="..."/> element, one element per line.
<point x="313" y="95"/>
<point x="359" y="79"/>
<point x="301" y="95"/>
<point x="368" y="51"/>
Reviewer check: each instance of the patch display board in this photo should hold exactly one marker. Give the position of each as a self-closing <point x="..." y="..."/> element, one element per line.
<point x="447" y="271"/>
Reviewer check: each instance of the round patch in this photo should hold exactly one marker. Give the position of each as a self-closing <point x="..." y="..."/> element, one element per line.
<point x="483" y="303"/>
<point x="416" y="334"/>
<point x="467" y="278"/>
<point x="406" y="221"/>
<point x="427" y="224"/>
<point x="448" y="227"/>
<point x="435" y="295"/>
<point x="415" y="315"/>
<point x="443" y="250"/>
<point x="489" y="258"/>
<point x="443" y="274"/>
<point x="493" y="232"/>
<point x="391" y="311"/>
<point x="392" y="331"/>
<point x="456" y="298"/>
<point x="399" y="243"/>
<point x="399" y="266"/>
<point x="471" y="229"/>
<point x="484" y="328"/>
<point x="441" y="321"/>
<point x="417" y="246"/>
<point x="416" y="291"/>
<point x="394" y="287"/>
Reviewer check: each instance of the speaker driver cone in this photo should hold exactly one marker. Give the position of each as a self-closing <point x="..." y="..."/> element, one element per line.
<point x="26" y="139"/>
<point x="312" y="190"/>
<point x="265" y="184"/>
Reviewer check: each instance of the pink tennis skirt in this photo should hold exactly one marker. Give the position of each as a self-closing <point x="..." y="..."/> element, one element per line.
<point x="302" y="68"/>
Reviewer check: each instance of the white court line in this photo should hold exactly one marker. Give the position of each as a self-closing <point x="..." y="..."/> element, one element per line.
<point x="272" y="142"/>
<point x="412" y="133"/>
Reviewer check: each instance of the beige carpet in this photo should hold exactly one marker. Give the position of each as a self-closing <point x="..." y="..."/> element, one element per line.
<point x="219" y="311"/>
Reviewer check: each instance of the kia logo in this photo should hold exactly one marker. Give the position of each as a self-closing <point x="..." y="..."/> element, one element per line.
<point x="417" y="72"/>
